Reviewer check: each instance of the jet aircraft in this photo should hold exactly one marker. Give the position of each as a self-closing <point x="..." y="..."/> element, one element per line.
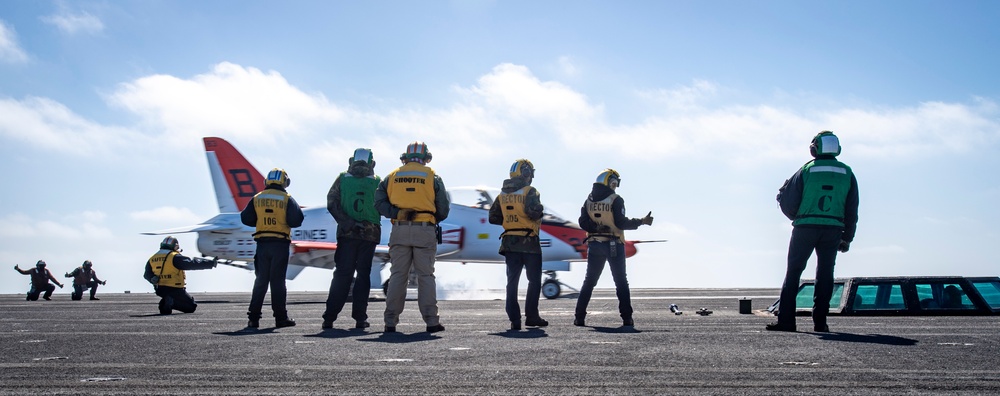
<point x="467" y="236"/>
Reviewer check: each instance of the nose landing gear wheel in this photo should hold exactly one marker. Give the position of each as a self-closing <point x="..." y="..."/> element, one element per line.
<point x="551" y="289"/>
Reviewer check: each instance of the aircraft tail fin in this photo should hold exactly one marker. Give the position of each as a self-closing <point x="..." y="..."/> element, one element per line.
<point x="236" y="181"/>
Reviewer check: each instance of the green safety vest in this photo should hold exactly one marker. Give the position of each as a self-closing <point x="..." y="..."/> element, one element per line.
<point x="357" y="197"/>
<point x="826" y="183"/>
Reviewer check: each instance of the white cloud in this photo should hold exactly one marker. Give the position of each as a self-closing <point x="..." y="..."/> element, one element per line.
<point x="230" y="100"/>
<point x="75" y="23"/>
<point x="45" y="123"/>
<point x="21" y="226"/>
<point x="507" y="110"/>
<point x="567" y="67"/>
<point x="167" y="214"/>
<point x="10" y="50"/>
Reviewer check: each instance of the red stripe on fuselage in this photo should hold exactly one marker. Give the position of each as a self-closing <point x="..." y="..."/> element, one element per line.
<point x="575" y="236"/>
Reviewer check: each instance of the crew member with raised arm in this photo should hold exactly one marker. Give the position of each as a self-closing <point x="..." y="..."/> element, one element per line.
<point x="40" y="278"/>
<point x="603" y="217"/>
<point x="165" y="270"/>
<point x="84" y="277"/>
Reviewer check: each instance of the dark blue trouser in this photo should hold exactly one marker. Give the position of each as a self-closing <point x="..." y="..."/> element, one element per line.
<point x="270" y="266"/>
<point x="804" y="240"/>
<point x="33" y="292"/>
<point x="353" y="255"/>
<point x="172" y="298"/>
<point x="78" y="289"/>
<point x="597" y="254"/>
<point x="532" y="264"/>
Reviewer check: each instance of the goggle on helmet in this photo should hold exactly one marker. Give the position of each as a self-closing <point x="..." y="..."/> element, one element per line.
<point x="362" y="155"/>
<point x="522" y="167"/>
<point x="417" y="150"/>
<point x="278" y="176"/>
<point x="825" y="143"/>
<point x="170" y="243"/>
<point x="608" y="177"/>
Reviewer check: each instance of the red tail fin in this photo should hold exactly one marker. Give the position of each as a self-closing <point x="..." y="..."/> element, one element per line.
<point x="236" y="181"/>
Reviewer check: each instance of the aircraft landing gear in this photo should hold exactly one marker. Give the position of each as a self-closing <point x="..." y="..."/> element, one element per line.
<point x="552" y="287"/>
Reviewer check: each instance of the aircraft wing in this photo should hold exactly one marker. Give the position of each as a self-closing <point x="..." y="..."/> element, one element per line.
<point x="192" y="228"/>
<point x="221" y="222"/>
<point x="320" y="254"/>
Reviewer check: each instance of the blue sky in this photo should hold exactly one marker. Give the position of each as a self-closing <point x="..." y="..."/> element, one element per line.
<point x="704" y="107"/>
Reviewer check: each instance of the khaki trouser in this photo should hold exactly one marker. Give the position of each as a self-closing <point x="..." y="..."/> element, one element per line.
<point x="412" y="246"/>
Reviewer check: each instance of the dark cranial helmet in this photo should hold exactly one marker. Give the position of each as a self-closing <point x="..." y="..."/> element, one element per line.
<point x="40" y="264"/>
<point x="87" y="264"/>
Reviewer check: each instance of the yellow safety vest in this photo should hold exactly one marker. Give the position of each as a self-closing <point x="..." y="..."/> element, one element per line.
<point x="515" y="218"/>
<point x="600" y="213"/>
<point x="163" y="266"/>
<point x="270" y="206"/>
<point x="411" y="186"/>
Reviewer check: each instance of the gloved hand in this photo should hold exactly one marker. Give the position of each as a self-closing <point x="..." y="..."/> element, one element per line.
<point x="68" y="275"/>
<point x="60" y="286"/>
<point x="104" y="282"/>
<point x="648" y="220"/>
<point x="16" y="267"/>
<point x="844" y="246"/>
<point x="215" y="262"/>
<point x="154" y="280"/>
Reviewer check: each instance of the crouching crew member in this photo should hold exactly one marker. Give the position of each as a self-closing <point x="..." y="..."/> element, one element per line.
<point x="165" y="270"/>
<point x="603" y="217"/>
<point x="274" y="213"/>
<point x="85" y="278"/>
<point x="519" y="209"/>
<point x="40" y="278"/>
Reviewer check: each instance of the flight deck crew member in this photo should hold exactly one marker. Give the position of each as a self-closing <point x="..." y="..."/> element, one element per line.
<point x="351" y="201"/>
<point x="274" y="213"/>
<point x="821" y="199"/>
<point x="414" y="198"/>
<point x="84" y="278"/>
<point x="40" y="278"/>
<point x="603" y="217"/>
<point x="519" y="209"/>
<point x="165" y="270"/>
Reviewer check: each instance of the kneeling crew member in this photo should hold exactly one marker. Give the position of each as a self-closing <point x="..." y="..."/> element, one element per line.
<point x="40" y="278"/>
<point x="165" y="270"/>
<point x="85" y="278"/>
